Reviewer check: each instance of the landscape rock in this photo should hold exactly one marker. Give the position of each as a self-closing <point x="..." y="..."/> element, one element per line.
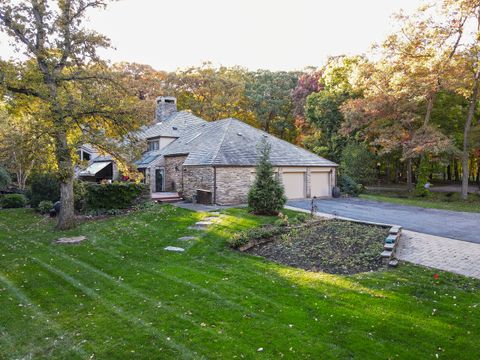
<point x="174" y="249"/>
<point x="71" y="240"/>
<point x="186" y="238"/>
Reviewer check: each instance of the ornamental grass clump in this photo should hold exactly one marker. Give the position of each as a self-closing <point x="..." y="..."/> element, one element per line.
<point x="267" y="195"/>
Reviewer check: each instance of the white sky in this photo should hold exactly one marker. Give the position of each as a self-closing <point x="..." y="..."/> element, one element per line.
<point x="270" y="34"/>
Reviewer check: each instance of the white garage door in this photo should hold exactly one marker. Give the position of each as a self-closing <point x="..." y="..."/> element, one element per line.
<point x="294" y="184"/>
<point x="320" y="184"/>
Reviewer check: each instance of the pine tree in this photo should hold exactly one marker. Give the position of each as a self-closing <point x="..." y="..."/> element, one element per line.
<point x="267" y="195"/>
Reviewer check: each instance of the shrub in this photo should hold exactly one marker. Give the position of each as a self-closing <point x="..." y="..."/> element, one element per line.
<point x="45" y="206"/>
<point x="5" y="179"/>
<point x="264" y="232"/>
<point x="80" y="195"/>
<point x="349" y="186"/>
<point x="358" y="163"/>
<point x="44" y="187"/>
<point x="11" y="201"/>
<point x="422" y="179"/>
<point x="267" y="195"/>
<point x="117" y="195"/>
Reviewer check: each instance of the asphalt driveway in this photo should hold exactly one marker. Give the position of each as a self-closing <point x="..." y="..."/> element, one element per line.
<point x="451" y="224"/>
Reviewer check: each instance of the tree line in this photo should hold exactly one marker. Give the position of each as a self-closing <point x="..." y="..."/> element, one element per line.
<point x="408" y="113"/>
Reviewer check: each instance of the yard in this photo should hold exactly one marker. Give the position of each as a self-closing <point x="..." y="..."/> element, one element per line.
<point x="437" y="200"/>
<point x="120" y="295"/>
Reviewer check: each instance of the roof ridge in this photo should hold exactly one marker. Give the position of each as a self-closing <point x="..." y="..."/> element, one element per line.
<point x="229" y="122"/>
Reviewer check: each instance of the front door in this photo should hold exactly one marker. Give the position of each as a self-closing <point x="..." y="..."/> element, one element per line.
<point x="159" y="174"/>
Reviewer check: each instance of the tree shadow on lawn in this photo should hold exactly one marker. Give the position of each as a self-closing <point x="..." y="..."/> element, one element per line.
<point x="369" y="315"/>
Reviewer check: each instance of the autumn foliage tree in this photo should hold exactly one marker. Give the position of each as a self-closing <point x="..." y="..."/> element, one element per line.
<point x="79" y="97"/>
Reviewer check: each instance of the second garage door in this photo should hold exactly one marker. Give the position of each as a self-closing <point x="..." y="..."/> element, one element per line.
<point x="294" y="183"/>
<point x="320" y="184"/>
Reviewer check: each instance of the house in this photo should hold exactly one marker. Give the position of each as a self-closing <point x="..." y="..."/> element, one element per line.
<point x="99" y="166"/>
<point x="187" y="154"/>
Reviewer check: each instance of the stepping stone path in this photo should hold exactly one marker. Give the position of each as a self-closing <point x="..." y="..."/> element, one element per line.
<point x="201" y="225"/>
<point x="174" y="249"/>
<point x="187" y="238"/>
<point x="71" y="240"/>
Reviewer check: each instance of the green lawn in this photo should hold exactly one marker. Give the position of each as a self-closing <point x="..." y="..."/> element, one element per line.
<point x="121" y="296"/>
<point x="437" y="200"/>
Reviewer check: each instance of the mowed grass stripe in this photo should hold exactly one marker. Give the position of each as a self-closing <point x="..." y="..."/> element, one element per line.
<point x="62" y="341"/>
<point x="183" y="352"/>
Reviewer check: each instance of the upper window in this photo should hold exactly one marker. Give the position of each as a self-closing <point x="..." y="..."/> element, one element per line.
<point x="83" y="155"/>
<point x="153" y="145"/>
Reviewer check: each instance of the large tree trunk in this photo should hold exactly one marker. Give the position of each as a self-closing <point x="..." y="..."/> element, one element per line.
<point x="466" y="132"/>
<point x="409" y="175"/>
<point x="428" y="113"/>
<point x="66" y="219"/>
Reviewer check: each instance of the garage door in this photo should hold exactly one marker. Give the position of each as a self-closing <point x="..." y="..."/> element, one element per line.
<point x="320" y="184"/>
<point x="294" y="184"/>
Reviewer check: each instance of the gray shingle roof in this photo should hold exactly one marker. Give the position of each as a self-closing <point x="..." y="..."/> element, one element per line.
<point x="173" y="126"/>
<point x="232" y="142"/>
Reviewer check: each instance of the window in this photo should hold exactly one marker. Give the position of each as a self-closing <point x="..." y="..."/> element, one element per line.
<point x="153" y="145"/>
<point x="83" y="155"/>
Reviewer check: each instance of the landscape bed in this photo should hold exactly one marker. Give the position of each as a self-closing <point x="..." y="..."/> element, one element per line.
<point x="332" y="246"/>
<point x="120" y="295"/>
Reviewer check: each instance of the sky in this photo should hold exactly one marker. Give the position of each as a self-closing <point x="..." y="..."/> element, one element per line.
<point x="267" y="34"/>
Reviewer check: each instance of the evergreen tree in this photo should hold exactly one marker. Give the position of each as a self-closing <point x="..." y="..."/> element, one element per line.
<point x="267" y="195"/>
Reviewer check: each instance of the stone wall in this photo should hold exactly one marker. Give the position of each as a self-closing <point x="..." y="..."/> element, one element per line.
<point x="173" y="172"/>
<point x="233" y="184"/>
<point x="197" y="177"/>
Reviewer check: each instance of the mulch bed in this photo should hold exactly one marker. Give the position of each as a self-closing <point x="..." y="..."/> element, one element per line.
<point x="332" y="246"/>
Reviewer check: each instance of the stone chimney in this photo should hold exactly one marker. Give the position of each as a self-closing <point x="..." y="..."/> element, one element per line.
<point x="166" y="106"/>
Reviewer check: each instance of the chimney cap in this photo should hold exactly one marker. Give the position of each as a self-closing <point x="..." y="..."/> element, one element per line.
<point x="167" y="99"/>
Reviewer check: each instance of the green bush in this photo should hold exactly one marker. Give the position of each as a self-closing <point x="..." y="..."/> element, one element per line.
<point x="80" y="195"/>
<point x="349" y="186"/>
<point x="264" y="232"/>
<point x="10" y="201"/>
<point x="45" y="206"/>
<point x="422" y="179"/>
<point x="44" y="187"/>
<point x="358" y="163"/>
<point x="5" y="179"/>
<point x="117" y="195"/>
<point x="267" y="195"/>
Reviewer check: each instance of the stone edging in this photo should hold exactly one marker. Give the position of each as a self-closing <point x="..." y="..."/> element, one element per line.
<point x="391" y="245"/>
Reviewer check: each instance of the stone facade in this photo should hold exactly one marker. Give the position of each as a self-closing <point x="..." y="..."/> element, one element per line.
<point x="233" y="184"/>
<point x="197" y="177"/>
<point x="174" y="172"/>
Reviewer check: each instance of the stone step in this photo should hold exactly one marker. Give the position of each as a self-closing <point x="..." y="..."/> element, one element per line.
<point x="71" y="240"/>
<point x="203" y="224"/>
<point x="391" y="239"/>
<point x="389" y="246"/>
<point x="174" y="249"/>
<point x="169" y="200"/>
<point x="187" y="238"/>
<point x="386" y="254"/>
<point x="394" y="230"/>
<point x="393" y="263"/>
